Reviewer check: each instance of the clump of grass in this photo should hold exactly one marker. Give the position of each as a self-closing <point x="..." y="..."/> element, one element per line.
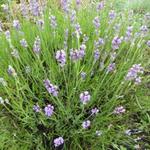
<point x="69" y="78"/>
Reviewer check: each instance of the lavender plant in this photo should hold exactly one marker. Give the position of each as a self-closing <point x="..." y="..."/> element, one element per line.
<point x="70" y="76"/>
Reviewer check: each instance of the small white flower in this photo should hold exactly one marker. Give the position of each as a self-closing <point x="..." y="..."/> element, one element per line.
<point x="6" y="101"/>
<point x="3" y="82"/>
<point x="15" y="53"/>
<point x="99" y="133"/>
<point x="1" y="100"/>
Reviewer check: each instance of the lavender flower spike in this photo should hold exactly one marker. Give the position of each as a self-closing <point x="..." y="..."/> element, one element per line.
<point x="61" y="57"/>
<point x="85" y="97"/>
<point x="53" y="21"/>
<point x="116" y="42"/>
<point x="24" y="8"/>
<point x="112" y="14"/>
<point x="34" y="7"/>
<point x="7" y="35"/>
<point x="94" y="111"/>
<point x="86" y="124"/>
<point x="83" y="75"/>
<point x="16" y="24"/>
<point x="74" y="55"/>
<point x="49" y="110"/>
<point x="11" y="71"/>
<point x="23" y="43"/>
<point x="52" y="89"/>
<point x="148" y="43"/>
<point x="65" y="5"/>
<point x="78" y="2"/>
<point x="82" y="51"/>
<point x="100" y="6"/>
<point x="36" y="108"/>
<point x="119" y="110"/>
<point x="40" y="23"/>
<point x="133" y="73"/>
<point x="37" y="45"/>
<point x="58" y="141"/>
<point x="78" y="29"/>
<point x="96" y="22"/>
<point x="111" y="67"/>
<point x="96" y="54"/>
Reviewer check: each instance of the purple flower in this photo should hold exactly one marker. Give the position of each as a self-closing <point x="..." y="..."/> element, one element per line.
<point x="40" y="23"/>
<point x="86" y="124"/>
<point x="138" y="80"/>
<point x="23" y="43"/>
<point x="85" y="39"/>
<point x="82" y="51"/>
<point x="65" y="5"/>
<point x="148" y="43"/>
<point x="129" y="33"/>
<point x="133" y="73"/>
<point x="78" y="2"/>
<point x="73" y="16"/>
<point x="116" y="42"/>
<point x="11" y="71"/>
<point x="96" y="54"/>
<point x="49" y="110"/>
<point x="85" y="97"/>
<point x="53" y="22"/>
<point x="112" y="14"/>
<point x="74" y="55"/>
<point x="130" y="28"/>
<point x="99" y="42"/>
<point x="52" y="89"/>
<point x="83" y="75"/>
<point x="119" y="110"/>
<point x="34" y="7"/>
<point x="16" y="24"/>
<point x="36" y="108"/>
<point x="78" y="29"/>
<point x="24" y="8"/>
<point x="100" y="6"/>
<point x="58" y="141"/>
<point x="96" y="22"/>
<point x="37" y="45"/>
<point x="61" y="57"/>
<point x="94" y="111"/>
<point x="7" y="34"/>
<point x="144" y="29"/>
<point x="111" y="67"/>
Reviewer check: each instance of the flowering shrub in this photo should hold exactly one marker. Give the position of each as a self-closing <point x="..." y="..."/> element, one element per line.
<point x="68" y="76"/>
